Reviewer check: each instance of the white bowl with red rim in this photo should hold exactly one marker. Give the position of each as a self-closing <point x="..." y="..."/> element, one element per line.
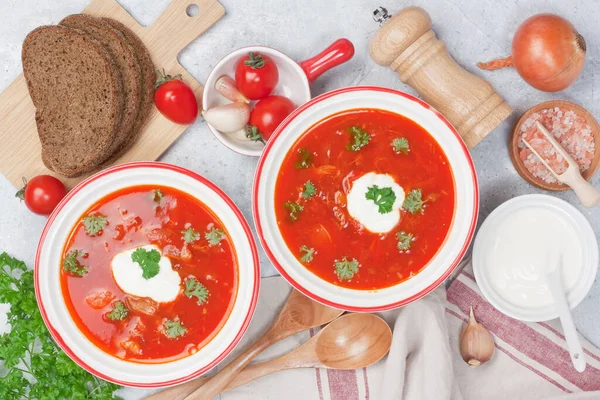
<point x="54" y="310"/>
<point x="294" y="83"/>
<point x="449" y="254"/>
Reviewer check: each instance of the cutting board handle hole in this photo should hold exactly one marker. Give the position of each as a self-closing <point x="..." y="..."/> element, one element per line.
<point x="192" y="10"/>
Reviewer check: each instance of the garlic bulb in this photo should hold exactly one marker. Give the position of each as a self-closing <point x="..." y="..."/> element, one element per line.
<point x="476" y="343"/>
<point x="228" y="118"/>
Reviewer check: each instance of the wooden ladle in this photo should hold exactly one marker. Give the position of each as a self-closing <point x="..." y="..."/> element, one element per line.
<point x="298" y="314"/>
<point x="350" y="342"/>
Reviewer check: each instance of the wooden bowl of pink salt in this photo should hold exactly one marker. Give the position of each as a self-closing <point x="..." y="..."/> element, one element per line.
<point x="572" y="126"/>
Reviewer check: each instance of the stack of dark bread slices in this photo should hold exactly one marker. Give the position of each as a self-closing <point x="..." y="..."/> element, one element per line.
<point x="91" y="81"/>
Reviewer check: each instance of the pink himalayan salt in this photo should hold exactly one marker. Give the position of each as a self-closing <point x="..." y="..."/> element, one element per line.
<point x="569" y="129"/>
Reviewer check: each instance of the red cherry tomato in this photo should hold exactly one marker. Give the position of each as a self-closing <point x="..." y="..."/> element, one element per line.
<point x="268" y="113"/>
<point x="256" y="76"/>
<point x="42" y="194"/>
<point x="175" y="100"/>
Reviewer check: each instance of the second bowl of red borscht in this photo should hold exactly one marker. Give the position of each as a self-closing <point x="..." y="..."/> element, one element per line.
<point x="147" y="275"/>
<point x="365" y="199"/>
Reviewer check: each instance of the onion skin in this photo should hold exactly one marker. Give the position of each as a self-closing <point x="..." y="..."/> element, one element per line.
<point x="547" y="51"/>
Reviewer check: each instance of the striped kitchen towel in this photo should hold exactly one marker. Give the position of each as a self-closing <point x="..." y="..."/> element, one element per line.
<point x="530" y="361"/>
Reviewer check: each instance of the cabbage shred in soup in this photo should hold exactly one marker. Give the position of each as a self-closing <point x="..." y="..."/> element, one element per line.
<point x="149" y="274"/>
<point x="365" y="199"/>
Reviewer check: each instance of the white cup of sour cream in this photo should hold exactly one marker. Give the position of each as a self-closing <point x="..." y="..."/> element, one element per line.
<point x="512" y="252"/>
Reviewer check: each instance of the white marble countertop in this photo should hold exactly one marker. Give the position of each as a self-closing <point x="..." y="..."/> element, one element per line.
<point x="474" y="30"/>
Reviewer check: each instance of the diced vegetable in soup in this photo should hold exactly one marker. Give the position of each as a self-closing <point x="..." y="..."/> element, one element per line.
<point x="365" y="199"/>
<point x="149" y="274"/>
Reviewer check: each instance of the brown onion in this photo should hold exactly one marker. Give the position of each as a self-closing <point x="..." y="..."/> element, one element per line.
<point x="547" y="51"/>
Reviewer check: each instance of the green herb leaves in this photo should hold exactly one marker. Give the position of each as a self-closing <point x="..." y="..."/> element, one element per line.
<point x="54" y="374"/>
<point x="148" y="260"/>
<point x="214" y="236"/>
<point x="119" y="312"/>
<point x="404" y="240"/>
<point x="360" y="138"/>
<point x="174" y="329"/>
<point x="157" y="196"/>
<point x="305" y="159"/>
<point x="294" y="209"/>
<point x="94" y="224"/>
<point x="190" y="235"/>
<point x="382" y="197"/>
<point x="413" y="203"/>
<point x="309" y="190"/>
<point x="72" y="265"/>
<point x="193" y="288"/>
<point x="401" y="145"/>
<point x="345" y="269"/>
<point x="307" y="254"/>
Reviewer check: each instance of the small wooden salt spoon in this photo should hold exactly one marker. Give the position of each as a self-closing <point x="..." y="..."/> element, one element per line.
<point x="587" y="194"/>
<point x="298" y="314"/>
<point x="349" y="342"/>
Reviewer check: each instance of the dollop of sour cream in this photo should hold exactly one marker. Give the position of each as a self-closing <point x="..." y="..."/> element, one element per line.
<point x="523" y="250"/>
<point x="162" y="288"/>
<point x="365" y="211"/>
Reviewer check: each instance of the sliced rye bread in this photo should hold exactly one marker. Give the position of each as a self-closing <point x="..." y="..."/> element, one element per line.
<point x="77" y="91"/>
<point x="126" y="60"/>
<point x="148" y="79"/>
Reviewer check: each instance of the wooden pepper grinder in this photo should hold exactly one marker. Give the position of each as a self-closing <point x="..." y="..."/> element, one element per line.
<point x="406" y="44"/>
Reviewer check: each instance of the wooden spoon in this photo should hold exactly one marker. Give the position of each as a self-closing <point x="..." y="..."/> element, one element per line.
<point x="350" y="342"/>
<point x="298" y="314"/>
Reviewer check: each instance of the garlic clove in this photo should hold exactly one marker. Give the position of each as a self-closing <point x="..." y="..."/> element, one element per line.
<point x="226" y="86"/>
<point x="476" y="343"/>
<point x="228" y="118"/>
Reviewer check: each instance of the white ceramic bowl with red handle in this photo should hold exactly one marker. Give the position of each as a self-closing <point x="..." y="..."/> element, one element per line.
<point x="447" y="257"/>
<point x="52" y="304"/>
<point x="294" y="83"/>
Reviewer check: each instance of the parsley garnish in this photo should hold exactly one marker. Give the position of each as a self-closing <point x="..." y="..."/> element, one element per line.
<point x="309" y="190"/>
<point x="254" y="134"/>
<point x="400" y="145"/>
<point x="382" y="197"/>
<point x="308" y="254"/>
<point x="360" y="138"/>
<point x="345" y="269"/>
<point x="148" y="261"/>
<point x="404" y="240"/>
<point x="54" y="374"/>
<point x="72" y="265"/>
<point x="157" y="196"/>
<point x="174" y="329"/>
<point x="196" y="289"/>
<point x="305" y="159"/>
<point x="94" y="224"/>
<point x="294" y="208"/>
<point x="413" y="203"/>
<point x="119" y="312"/>
<point x="190" y="235"/>
<point x="214" y="236"/>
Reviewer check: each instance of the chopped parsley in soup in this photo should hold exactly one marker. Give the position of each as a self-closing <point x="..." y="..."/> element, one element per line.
<point x="365" y="199"/>
<point x="149" y="274"/>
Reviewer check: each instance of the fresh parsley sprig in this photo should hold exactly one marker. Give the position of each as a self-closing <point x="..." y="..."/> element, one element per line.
<point x="305" y="159"/>
<point x="147" y="260"/>
<point x="190" y="235"/>
<point x="360" y="138"/>
<point x="294" y="209"/>
<point x="384" y="198"/>
<point x="401" y="145"/>
<point x="214" y="236"/>
<point x="345" y="269"/>
<point x="94" y="224"/>
<point x="307" y="253"/>
<point x="119" y="312"/>
<point x="174" y="329"/>
<point x="193" y="288"/>
<point x="72" y="265"/>
<point x="413" y="203"/>
<point x="309" y="190"/>
<point x="404" y="240"/>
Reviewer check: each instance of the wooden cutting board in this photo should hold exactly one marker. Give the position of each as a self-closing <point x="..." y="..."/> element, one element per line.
<point x="20" y="154"/>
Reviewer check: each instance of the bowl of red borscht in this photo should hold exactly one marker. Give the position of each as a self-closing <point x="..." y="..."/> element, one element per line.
<point x="147" y="275"/>
<point x="365" y="199"/>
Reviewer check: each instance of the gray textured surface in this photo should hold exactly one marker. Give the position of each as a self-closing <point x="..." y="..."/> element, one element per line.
<point x="473" y="30"/>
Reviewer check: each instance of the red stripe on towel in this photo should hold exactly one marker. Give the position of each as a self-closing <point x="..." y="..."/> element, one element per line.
<point x="560" y="335"/>
<point x="342" y="384"/>
<point x="366" y="378"/>
<point x="523" y="338"/>
<point x="317" y="372"/>
<point x="529" y="367"/>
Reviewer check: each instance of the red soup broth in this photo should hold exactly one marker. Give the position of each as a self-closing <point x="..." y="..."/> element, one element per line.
<point x="136" y="217"/>
<point x="324" y="224"/>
